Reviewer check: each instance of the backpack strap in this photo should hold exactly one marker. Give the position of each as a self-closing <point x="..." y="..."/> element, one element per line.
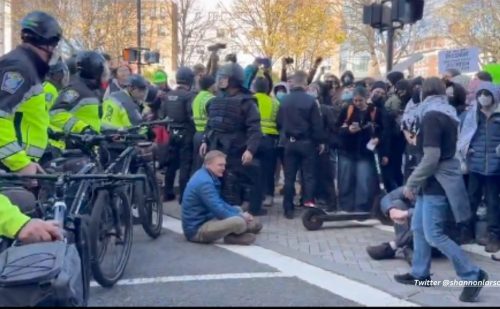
<point x="350" y="111"/>
<point x="373" y="114"/>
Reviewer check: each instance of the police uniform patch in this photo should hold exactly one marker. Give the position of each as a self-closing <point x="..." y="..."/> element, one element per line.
<point x="48" y="97"/>
<point x="11" y="82"/>
<point x="70" y="96"/>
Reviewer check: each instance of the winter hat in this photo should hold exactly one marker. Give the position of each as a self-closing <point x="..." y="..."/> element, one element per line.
<point x="379" y="85"/>
<point x="395" y="77"/>
<point x="206" y="82"/>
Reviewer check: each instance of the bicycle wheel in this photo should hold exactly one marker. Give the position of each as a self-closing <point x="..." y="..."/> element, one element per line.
<point x="148" y="201"/>
<point x="110" y="228"/>
<point x="82" y="224"/>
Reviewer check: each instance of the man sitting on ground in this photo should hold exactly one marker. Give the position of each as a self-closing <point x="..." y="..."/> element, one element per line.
<point x="206" y="217"/>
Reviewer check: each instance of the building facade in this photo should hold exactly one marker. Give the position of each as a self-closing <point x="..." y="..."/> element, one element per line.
<point x="5" y="26"/>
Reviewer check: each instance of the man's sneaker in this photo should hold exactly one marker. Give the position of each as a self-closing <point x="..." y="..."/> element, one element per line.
<point x="245" y="206"/>
<point x="310" y="204"/>
<point x="493" y="244"/>
<point x="268" y="201"/>
<point x="245" y="239"/>
<point x="470" y="293"/>
<point x="496" y="257"/>
<point x="260" y="212"/>
<point x="169" y="197"/>
<point x="289" y="214"/>
<point x="381" y="252"/>
<point x="408" y="279"/>
<point x="482" y="241"/>
<point x="408" y="255"/>
<point x="254" y="227"/>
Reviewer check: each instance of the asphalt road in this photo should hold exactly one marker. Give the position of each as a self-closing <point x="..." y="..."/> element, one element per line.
<point x="169" y="271"/>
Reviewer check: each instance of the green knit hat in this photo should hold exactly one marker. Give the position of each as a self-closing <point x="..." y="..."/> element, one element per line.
<point x="160" y="77"/>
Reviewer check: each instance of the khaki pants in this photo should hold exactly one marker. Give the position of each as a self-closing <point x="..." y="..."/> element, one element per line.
<point x="217" y="229"/>
<point x="23" y="199"/>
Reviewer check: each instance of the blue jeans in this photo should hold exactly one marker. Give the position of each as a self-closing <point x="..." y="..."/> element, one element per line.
<point x="357" y="182"/>
<point x="428" y="222"/>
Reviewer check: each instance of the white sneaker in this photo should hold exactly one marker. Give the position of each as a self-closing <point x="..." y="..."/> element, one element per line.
<point x="268" y="201"/>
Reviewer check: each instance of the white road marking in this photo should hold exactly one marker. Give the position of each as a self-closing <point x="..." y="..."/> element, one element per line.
<point x="349" y="289"/>
<point x="138" y="281"/>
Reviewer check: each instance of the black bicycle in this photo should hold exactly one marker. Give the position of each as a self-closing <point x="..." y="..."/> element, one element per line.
<point x="133" y="157"/>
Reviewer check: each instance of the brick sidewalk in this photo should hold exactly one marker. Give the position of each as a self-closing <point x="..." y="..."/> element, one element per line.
<point x="342" y="244"/>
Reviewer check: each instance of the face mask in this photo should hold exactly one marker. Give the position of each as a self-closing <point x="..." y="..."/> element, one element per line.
<point x="416" y="98"/>
<point x="280" y="96"/>
<point x="347" y="96"/>
<point x="485" y="101"/>
<point x="378" y="100"/>
<point x="55" y="55"/>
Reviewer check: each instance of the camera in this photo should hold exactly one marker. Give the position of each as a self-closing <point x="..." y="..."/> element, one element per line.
<point x="216" y="47"/>
<point x="289" y="60"/>
<point x="231" y="58"/>
<point x="265" y="62"/>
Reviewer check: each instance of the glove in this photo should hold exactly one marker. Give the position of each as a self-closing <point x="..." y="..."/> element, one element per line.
<point x="89" y="131"/>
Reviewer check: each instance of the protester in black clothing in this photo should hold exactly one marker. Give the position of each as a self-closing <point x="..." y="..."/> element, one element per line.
<point x="359" y="124"/>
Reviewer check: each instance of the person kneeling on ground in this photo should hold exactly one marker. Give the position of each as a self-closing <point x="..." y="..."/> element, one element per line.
<point x="206" y="217"/>
<point x="399" y="209"/>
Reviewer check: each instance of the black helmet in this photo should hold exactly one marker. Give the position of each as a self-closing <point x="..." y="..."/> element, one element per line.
<point x="137" y="81"/>
<point x="185" y="76"/>
<point x="90" y="65"/>
<point x="152" y="93"/>
<point x="60" y="66"/>
<point x="71" y="63"/>
<point x="39" y="28"/>
<point x="234" y="72"/>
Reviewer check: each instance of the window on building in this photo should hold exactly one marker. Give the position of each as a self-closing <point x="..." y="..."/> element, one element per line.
<point x="162" y="30"/>
<point x="163" y="12"/>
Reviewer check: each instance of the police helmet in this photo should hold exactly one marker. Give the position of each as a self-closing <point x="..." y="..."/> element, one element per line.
<point x="40" y="28"/>
<point x="58" y="67"/>
<point x="184" y="76"/>
<point x="137" y="81"/>
<point x="233" y="72"/>
<point x="91" y="65"/>
<point x="71" y="63"/>
<point x="152" y="93"/>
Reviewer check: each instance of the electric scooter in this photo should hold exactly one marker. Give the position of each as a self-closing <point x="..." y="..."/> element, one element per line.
<point x="313" y="217"/>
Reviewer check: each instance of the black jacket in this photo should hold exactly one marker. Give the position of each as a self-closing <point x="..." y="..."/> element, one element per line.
<point x="245" y="136"/>
<point x="354" y="145"/>
<point x="299" y="117"/>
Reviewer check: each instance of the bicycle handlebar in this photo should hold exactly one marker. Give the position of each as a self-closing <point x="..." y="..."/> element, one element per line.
<point x="69" y="177"/>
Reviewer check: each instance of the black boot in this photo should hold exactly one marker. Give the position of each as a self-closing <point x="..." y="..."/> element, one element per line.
<point x="381" y="252"/>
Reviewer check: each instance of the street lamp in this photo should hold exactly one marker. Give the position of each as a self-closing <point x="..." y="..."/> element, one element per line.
<point x="139" y="8"/>
<point x="389" y="15"/>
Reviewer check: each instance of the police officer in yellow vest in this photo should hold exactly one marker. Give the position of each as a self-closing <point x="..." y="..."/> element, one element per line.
<point x="122" y="109"/>
<point x="24" y="119"/>
<point x="267" y="154"/>
<point x="208" y="90"/>
<point x="78" y="107"/>
<point x="57" y="79"/>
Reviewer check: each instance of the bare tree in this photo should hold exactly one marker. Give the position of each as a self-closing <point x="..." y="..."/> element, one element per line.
<point x="479" y="26"/>
<point x="192" y="26"/>
<point x="363" y="38"/>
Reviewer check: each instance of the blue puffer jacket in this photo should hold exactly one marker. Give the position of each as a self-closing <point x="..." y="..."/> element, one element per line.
<point x="202" y="202"/>
<point x="482" y="158"/>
